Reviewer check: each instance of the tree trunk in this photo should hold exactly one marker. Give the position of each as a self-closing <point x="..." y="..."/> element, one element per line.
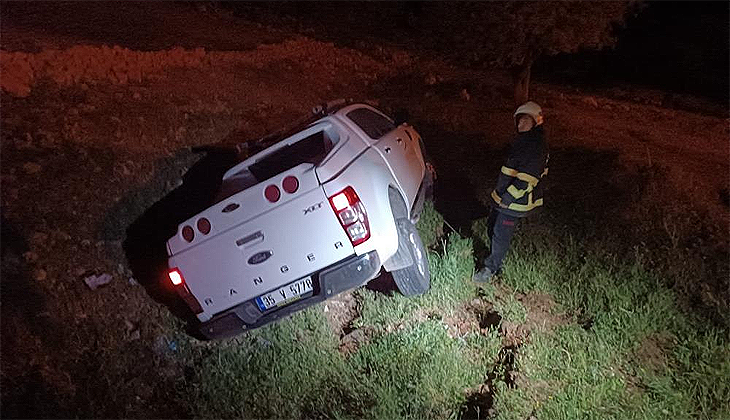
<point x="521" y="79"/>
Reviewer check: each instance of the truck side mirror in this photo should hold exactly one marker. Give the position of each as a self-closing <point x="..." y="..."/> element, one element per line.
<point x="400" y="116"/>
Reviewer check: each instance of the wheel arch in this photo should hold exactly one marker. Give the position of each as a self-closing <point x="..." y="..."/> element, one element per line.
<point x="399" y="209"/>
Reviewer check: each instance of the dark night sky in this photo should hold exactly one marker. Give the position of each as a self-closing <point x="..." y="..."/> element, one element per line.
<point x="680" y="47"/>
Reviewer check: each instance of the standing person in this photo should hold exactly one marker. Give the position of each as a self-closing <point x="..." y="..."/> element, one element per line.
<point x="519" y="187"/>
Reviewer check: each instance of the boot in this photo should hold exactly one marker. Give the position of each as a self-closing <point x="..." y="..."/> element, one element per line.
<point x="483" y="276"/>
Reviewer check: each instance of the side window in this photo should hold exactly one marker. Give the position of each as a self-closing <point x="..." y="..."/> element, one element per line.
<point x="373" y="124"/>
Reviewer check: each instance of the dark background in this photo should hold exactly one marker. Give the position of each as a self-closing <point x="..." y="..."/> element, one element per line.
<point x="677" y="47"/>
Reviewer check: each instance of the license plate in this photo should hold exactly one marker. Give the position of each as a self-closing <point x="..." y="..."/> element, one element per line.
<point x="285" y="295"/>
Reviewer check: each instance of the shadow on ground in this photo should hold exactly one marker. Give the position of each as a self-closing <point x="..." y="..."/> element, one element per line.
<point x="584" y="192"/>
<point x="384" y="283"/>
<point x="145" y="238"/>
<point x="26" y="389"/>
<point x="457" y="189"/>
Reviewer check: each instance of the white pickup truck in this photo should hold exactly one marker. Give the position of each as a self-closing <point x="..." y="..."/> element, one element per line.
<point x="315" y="214"/>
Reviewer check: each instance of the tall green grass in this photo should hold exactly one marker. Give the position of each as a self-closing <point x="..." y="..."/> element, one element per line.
<point x="593" y="365"/>
<point x="291" y="369"/>
<point x="419" y="372"/>
<point x="590" y="367"/>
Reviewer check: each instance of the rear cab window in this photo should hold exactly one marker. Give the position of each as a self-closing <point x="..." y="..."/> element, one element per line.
<point x="372" y="123"/>
<point x="311" y="149"/>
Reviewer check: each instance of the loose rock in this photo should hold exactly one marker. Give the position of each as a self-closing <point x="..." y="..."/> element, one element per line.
<point x="590" y="100"/>
<point x="128" y="325"/>
<point x="465" y="95"/>
<point x="94" y="281"/>
<point x="39" y="238"/>
<point x="31" y="168"/>
<point x="40" y="274"/>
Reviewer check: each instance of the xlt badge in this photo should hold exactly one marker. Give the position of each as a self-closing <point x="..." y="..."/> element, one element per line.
<point x="313" y="207"/>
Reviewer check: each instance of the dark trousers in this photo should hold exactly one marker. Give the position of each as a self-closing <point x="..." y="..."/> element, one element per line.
<point x="501" y="227"/>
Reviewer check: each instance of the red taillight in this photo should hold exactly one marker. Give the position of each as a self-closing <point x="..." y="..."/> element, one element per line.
<point x="204" y="226"/>
<point x="352" y="216"/>
<point x="188" y="234"/>
<point x="290" y="184"/>
<point x="176" y="278"/>
<point x="344" y="199"/>
<point x="339" y="202"/>
<point x="272" y="193"/>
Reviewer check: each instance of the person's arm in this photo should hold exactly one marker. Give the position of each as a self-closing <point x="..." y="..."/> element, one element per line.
<point x="515" y="191"/>
<point x="510" y="170"/>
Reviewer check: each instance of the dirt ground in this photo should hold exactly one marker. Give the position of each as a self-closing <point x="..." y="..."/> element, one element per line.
<point x="86" y="159"/>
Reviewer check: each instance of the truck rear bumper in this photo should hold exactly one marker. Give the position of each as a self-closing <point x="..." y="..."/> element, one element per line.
<point x="342" y="276"/>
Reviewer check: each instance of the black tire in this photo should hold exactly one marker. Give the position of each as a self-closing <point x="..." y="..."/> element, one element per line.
<point x="415" y="279"/>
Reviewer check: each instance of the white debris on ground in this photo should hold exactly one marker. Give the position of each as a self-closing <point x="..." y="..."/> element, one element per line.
<point x="96" y="281"/>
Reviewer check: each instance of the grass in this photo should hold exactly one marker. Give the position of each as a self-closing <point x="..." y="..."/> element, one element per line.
<point x="418" y="372"/>
<point x="625" y="350"/>
<point x="290" y="369"/>
<point x="449" y="268"/>
<point x="591" y="365"/>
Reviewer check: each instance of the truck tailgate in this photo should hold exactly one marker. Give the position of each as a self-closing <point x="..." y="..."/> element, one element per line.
<point x="287" y="240"/>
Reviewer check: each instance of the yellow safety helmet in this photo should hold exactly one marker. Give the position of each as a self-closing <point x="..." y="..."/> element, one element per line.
<point x="532" y="109"/>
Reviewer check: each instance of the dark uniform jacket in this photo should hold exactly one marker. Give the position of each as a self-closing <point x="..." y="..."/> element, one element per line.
<point x="519" y="190"/>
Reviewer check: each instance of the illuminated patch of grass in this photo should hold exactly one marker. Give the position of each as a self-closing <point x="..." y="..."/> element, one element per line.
<point x="589" y="369"/>
<point x="577" y="373"/>
<point x="291" y="369"/>
<point x="418" y="372"/>
<point x="510" y="309"/>
<point x="431" y="225"/>
<point x="451" y="271"/>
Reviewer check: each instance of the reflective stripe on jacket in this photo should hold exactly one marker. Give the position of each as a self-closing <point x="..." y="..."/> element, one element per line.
<point x="519" y="189"/>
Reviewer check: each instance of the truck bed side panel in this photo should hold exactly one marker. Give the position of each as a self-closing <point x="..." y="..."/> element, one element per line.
<point x="370" y="179"/>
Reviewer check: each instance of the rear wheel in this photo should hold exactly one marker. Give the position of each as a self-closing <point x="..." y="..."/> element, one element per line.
<point x="416" y="278"/>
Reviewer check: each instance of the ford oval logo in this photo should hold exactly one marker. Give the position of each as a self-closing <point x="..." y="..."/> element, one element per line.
<point x="260" y="257"/>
